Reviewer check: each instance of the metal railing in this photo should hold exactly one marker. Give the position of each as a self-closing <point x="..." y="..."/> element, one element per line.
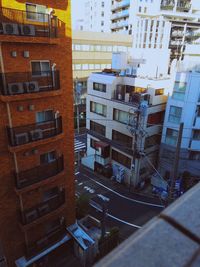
<point x="46" y="241"/>
<point x="16" y="83"/>
<point x="32" y="214"/>
<point x="39" y="173"/>
<point x="26" y="23"/>
<point x="33" y="132"/>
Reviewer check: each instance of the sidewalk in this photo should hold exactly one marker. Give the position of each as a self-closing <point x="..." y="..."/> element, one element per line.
<point x="122" y="189"/>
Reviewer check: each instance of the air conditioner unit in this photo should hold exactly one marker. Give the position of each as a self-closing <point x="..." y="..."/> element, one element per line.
<point x="10" y="29"/>
<point x="28" y="30"/>
<point x="21" y="138"/>
<point x="15" y="88"/>
<point x="36" y="134"/>
<point x="32" y="87"/>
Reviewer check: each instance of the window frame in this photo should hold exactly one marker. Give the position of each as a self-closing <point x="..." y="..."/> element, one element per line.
<point x="42" y="72"/>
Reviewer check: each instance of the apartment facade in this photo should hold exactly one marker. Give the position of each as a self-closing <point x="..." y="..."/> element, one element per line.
<point x="184" y="16"/>
<point x="182" y="106"/>
<point x="36" y="130"/>
<point x="125" y="111"/>
<point x="97" y="15"/>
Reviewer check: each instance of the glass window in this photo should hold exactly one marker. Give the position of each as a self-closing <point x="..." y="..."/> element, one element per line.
<point x="85" y="67"/>
<point x="196" y="135"/>
<point x="48" y="157"/>
<point x="36" y="12"/>
<point x="122" y="139"/>
<point x="40" y="68"/>
<point x="99" y="87"/>
<point x="159" y="91"/>
<point x="91" y="66"/>
<point x="46" y="115"/>
<point x="97" y="66"/>
<point x="175" y="114"/>
<point x="120" y="158"/>
<point x="93" y="143"/>
<point x="120" y="116"/>
<point x="98" y="108"/>
<point x="77" y="47"/>
<point x="171" y="136"/>
<point x="77" y="66"/>
<point x="98" y="128"/>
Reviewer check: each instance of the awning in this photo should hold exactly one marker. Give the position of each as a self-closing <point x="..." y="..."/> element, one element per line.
<point x="80" y="236"/>
<point x="101" y="144"/>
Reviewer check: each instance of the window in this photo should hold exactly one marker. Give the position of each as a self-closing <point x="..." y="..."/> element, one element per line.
<point x="102" y="13"/>
<point x="98" y="128"/>
<point x="99" y="87"/>
<point x="179" y="90"/>
<point x="93" y="143"/>
<point x="121" y="116"/>
<point x="159" y="91"/>
<point x="36" y="12"/>
<point x="102" y="4"/>
<point x="171" y="137"/>
<point x="42" y="116"/>
<point x="198" y="111"/>
<point x="140" y="9"/>
<point x="102" y="23"/>
<point x="122" y="139"/>
<point x="98" y="108"/>
<point x="196" y="135"/>
<point x="152" y="140"/>
<point x="175" y="114"/>
<point x="48" y="157"/>
<point x="194" y="155"/>
<point x="122" y="159"/>
<point x="40" y="68"/>
<point x="155" y="118"/>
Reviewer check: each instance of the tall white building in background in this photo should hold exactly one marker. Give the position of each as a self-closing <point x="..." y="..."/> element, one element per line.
<point x="97" y="15"/>
<point x="183" y="14"/>
<point x="183" y="106"/>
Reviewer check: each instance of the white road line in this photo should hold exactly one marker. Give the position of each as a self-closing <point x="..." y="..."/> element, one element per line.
<point x="77" y="173"/>
<point x="115" y="218"/>
<point x="122" y="196"/>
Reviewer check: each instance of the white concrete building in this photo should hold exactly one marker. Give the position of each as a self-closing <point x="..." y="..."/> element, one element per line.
<point x="183" y="14"/>
<point x="125" y="109"/>
<point x="183" y="106"/>
<point x="97" y="15"/>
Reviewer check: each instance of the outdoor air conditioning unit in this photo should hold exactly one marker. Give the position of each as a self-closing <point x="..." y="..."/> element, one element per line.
<point x="36" y="134"/>
<point x="10" y="28"/>
<point x="21" y="138"/>
<point x="32" y="87"/>
<point x="15" y="88"/>
<point x="28" y="30"/>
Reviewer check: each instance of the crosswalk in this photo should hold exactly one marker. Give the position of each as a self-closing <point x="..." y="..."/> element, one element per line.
<point x="78" y="145"/>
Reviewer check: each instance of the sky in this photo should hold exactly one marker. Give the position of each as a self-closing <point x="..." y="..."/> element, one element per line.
<point x="77" y="10"/>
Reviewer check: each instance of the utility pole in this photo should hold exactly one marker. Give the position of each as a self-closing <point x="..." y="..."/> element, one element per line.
<point x="176" y="163"/>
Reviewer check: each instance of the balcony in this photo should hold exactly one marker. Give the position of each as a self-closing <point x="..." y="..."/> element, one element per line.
<point x="120" y="24"/>
<point x="30" y="215"/>
<point x="39" y="173"/>
<point x="33" y="132"/>
<point x="121" y="14"/>
<point x="19" y="83"/>
<point x="24" y="23"/>
<point x="121" y="4"/>
<point x="47" y="241"/>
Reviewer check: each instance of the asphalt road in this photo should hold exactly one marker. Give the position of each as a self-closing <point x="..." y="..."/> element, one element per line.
<point x="128" y="213"/>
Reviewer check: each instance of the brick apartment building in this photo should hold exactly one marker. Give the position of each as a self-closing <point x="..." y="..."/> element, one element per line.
<point x="36" y="129"/>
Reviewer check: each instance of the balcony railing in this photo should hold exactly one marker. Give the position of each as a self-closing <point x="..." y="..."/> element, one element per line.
<point x="26" y="23"/>
<point x="121" y="4"/>
<point x="32" y="214"/>
<point x="26" y="82"/>
<point x="39" y="173"/>
<point x="33" y="132"/>
<point x="47" y="241"/>
<point x="132" y="98"/>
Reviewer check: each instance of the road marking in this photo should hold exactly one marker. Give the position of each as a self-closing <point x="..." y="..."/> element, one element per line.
<point x="77" y="173"/>
<point x="80" y="183"/>
<point x="103" y="197"/>
<point x="93" y="204"/>
<point x="122" y="196"/>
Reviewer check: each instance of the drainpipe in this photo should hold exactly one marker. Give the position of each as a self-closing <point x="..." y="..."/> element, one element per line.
<point x="53" y="69"/>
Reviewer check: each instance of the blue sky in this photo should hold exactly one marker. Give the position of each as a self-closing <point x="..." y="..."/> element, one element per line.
<point x="77" y="9"/>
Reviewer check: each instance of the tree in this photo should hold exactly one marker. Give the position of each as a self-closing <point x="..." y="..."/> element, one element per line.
<point x="82" y="206"/>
